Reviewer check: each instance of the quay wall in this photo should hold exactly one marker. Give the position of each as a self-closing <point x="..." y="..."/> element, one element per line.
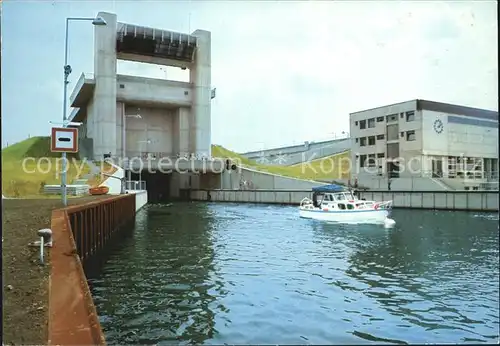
<point x="439" y="200"/>
<point x="141" y="198"/>
<point x="79" y="232"/>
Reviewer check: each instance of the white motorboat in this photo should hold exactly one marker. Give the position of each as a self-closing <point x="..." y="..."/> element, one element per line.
<point x="332" y="203"/>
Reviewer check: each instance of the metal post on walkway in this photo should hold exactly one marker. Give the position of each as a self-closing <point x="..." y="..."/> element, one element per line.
<point x="67" y="72"/>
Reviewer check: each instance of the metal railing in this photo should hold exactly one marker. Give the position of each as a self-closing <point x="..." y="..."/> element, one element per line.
<point x="93" y="224"/>
<point x="491" y="177"/>
<point x="490" y="186"/>
<point x="135" y="185"/>
<point x="156" y="155"/>
<point x="148" y="154"/>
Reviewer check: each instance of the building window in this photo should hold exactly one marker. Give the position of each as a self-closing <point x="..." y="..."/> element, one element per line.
<point x="392" y="117"/>
<point x="362" y="161"/>
<point x="410" y="136"/>
<point x="380" y="137"/>
<point x="402" y="134"/>
<point x="410" y="116"/>
<point x="356" y="123"/>
<point x="381" y="155"/>
<point x="362" y="141"/>
<point x="401" y="115"/>
<point x="392" y="132"/>
<point x="371" y="140"/>
<point x="357" y="140"/>
<point x="362" y="124"/>
<point x="371" y="123"/>
<point x="380" y="119"/>
<point x="392" y="150"/>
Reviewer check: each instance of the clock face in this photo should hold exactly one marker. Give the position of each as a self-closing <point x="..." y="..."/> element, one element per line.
<point x="438" y="126"/>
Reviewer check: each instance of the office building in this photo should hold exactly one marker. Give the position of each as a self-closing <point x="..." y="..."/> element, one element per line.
<point x="457" y="145"/>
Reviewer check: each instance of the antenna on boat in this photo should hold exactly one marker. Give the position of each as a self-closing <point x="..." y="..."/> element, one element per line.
<point x="189" y="16"/>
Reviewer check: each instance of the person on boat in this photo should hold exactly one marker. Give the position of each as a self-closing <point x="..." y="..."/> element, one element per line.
<point x="315" y="199"/>
<point x="356" y="183"/>
<point x="389" y="181"/>
<point x="123" y="188"/>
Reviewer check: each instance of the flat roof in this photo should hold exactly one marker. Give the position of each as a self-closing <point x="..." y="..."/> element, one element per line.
<point x="445" y="108"/>
<point x="457" y="109"/>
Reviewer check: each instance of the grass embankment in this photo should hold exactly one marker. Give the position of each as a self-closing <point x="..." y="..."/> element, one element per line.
<point x="325" y="169"/>
<point x="29" y="165"/>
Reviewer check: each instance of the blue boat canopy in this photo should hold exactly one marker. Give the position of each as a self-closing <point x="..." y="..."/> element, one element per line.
<point x="329" y="188"/>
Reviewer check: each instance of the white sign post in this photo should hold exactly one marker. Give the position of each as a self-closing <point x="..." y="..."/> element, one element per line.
<point x="64" y="140"/>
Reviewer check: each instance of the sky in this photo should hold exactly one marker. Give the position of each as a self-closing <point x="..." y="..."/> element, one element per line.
<point x="285" y="72"/>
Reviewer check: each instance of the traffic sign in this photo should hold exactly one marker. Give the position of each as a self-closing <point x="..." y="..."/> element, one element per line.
<point x="64" y="140"/>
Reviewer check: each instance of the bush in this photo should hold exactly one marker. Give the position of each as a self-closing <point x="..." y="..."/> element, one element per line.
<point x="42" y="186"/>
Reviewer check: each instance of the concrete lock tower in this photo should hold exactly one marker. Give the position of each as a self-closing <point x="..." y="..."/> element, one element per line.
<point x="128" y="116"/>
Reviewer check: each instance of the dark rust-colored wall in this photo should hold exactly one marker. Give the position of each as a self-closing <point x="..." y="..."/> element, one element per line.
<point x="73" y="318"/>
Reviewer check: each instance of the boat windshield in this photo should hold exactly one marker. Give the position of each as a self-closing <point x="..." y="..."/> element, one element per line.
<point x="349" y="196"/>
<point x="339" y="197"/>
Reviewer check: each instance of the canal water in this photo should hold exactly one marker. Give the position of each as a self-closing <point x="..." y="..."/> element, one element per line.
<point x="252" y="274"/>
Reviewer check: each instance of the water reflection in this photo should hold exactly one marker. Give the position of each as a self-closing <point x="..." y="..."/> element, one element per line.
<point x="257" y="274"/>
<point x="425" y="273"/>
<point x="166" y="290"/>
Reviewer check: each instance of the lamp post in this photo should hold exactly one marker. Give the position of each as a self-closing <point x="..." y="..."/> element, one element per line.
<point x="67" y="71"/>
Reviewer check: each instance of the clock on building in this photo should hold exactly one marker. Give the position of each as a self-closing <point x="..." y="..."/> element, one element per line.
<point x="438" y="126"/>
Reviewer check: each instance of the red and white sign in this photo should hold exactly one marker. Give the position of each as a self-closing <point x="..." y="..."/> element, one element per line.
<point x="64" y="139"/>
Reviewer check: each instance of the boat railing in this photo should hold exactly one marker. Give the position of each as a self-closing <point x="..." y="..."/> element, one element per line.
<point x="305" y="201"/>
<point x="385" y="205"/>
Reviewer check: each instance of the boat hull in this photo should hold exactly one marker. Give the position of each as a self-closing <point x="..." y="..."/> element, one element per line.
<point x="100" y="190"/>
<point x="354" y="216"/>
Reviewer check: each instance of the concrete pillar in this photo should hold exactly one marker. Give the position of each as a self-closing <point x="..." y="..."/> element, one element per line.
<point x="200" y="76"/>
<point x="120" y="129"/>
<point x="185" y="145"/>
<point x="104" y="108"/>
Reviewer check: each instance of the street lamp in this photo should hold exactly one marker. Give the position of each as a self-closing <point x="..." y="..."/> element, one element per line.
<point x="67" y="71"/>
<point x="66" y="123"/>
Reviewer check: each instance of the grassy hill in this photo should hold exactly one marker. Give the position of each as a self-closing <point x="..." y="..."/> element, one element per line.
<point x="24" y="177"/>
<point x="327" y="168"/>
